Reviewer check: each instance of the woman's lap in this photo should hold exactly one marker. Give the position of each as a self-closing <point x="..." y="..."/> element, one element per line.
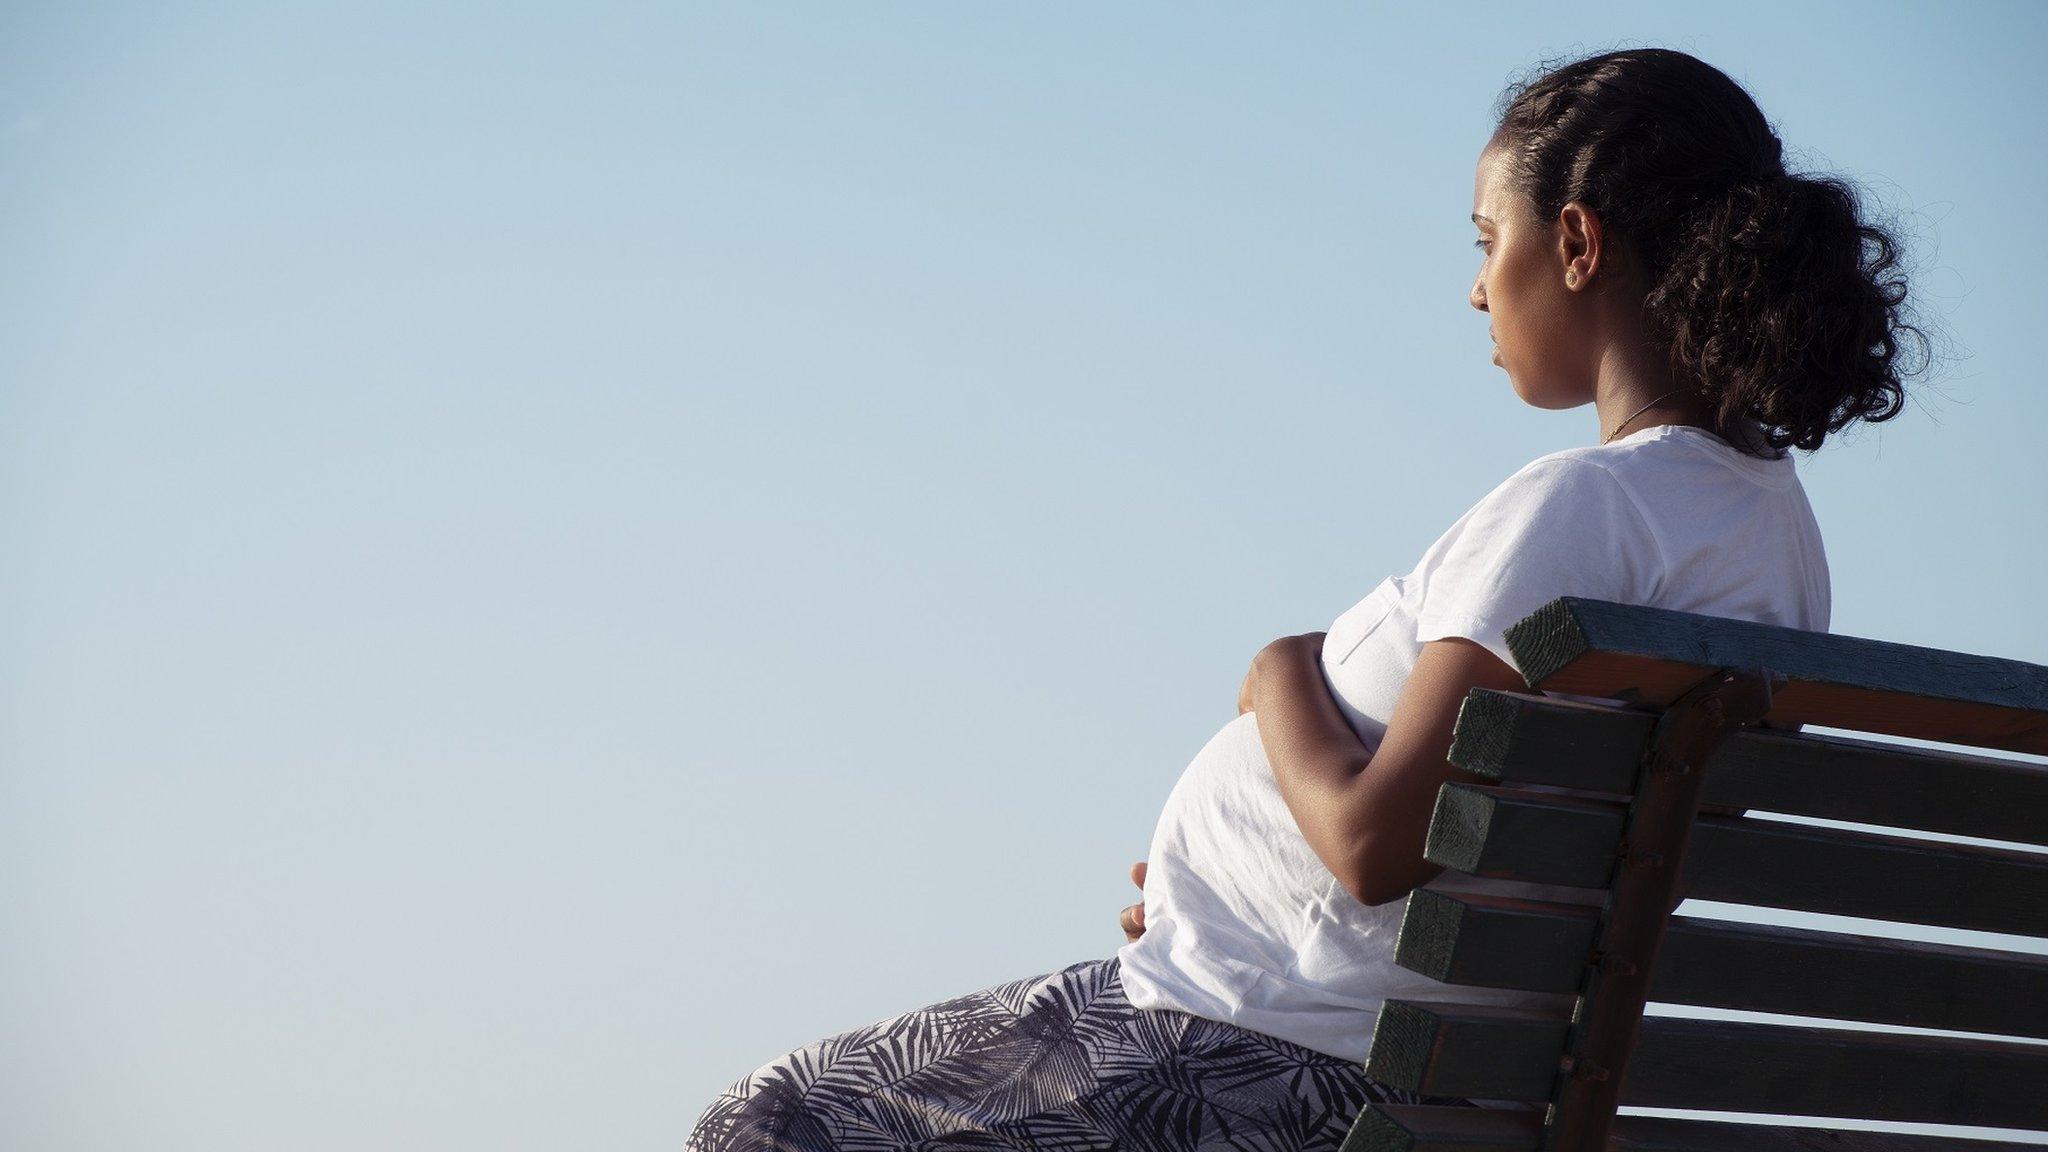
<point x="1059" y="1061"/>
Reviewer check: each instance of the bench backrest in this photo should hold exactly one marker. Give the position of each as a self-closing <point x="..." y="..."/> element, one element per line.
<point x="1712" y="710"/>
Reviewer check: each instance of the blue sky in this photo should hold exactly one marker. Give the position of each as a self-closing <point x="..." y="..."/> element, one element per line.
<point x="549" y="556"/>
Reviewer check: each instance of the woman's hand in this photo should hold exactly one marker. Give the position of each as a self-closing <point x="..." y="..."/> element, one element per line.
<point x="1247" y="692"/>
<point x="1133" y="918"/>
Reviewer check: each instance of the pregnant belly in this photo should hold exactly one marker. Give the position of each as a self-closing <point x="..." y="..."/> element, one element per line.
<point x="1245" y="923"/>
<point x="1227" y="853"/>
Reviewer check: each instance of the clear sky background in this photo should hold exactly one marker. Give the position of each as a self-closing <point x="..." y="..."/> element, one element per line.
<point x="550" y="556"/>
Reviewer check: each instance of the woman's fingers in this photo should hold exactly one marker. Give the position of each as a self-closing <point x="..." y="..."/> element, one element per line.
<point x="1133" y="918"/>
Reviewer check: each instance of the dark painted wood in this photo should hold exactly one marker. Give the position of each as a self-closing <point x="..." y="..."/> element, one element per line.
<point x="1488" y="941"/>
<point x="1505" y="1054"/>
<point x="1671" y="1134"/>
<point x="1438" y="1128"/>
<point x="1772" y="863"/>
<point x="1649" y="657"/>
<point x="1540" y="946"/>
<point x="1632" y="921"/>
<point x="1522" y="737"/>
<point x="1513" y="834"/>
<point x="1519" y="738"/>
<point x="1491" y="1053"/>
<point x="1843" y="976"/>
<point x="1837" y="1072"/>
<point x="1442" y="1128"/>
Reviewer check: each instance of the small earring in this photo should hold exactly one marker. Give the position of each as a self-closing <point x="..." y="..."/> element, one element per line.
<point x="1571" y="278"/>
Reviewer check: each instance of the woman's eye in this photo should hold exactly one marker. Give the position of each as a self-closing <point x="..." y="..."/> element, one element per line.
<point x="1479" y="244"/>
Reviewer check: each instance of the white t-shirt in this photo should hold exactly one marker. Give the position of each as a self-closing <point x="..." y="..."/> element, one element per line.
<point x="1245" y="924"/>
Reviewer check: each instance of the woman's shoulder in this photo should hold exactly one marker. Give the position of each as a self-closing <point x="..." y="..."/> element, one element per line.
<point x="1664" y="453"/>
<point x="1574" y="467"/>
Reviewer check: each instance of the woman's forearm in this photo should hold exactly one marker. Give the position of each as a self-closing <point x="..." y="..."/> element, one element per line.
<point x="1313" y="751"/>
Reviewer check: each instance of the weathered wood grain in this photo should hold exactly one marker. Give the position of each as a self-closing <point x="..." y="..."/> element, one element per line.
<point x="1644" y="889"/>
<point x="1489" y="941"/>
<point x="1496" y="941"/>
<point x="1512" y="834"/>
<point x="1505" y="1054"/>
<point x="1649" y="657"/>
<point x="1521" y="738"/>
<point x="1442" y="1128"/>
<point x="1788" y="1071"/>
<point x="1438" y="1128"/>
<point x="1492" y="1053"/>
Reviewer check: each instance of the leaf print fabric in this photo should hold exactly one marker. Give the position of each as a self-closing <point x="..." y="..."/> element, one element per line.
<point x="1054" y="1063"/>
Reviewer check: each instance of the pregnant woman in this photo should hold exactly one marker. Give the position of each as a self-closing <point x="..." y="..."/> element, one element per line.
<point x="1645" y="251"/>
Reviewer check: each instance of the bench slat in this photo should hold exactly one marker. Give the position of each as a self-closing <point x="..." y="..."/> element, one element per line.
<point x="1492" y="941"/>
<point x="1789" y="1071"/>
<point x="1512" y="834"/>
<point x="1516" y="738"/>
<point x="1509" y="833"/>
<point x="1649" y="657"/>
<point x="1487" y="941"/>
<point x="1443" y="1128"/>
<point x="1498" y="1053"/>
<point x="1490" y="1053"/>
<point x="1439" y="1128"/>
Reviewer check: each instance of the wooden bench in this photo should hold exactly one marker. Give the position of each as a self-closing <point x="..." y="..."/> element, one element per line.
<point x="1713" y="708"/>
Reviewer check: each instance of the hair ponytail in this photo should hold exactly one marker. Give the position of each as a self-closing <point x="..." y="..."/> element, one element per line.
<point x="1769" y="291"/>
<point x="1783" y="307"/>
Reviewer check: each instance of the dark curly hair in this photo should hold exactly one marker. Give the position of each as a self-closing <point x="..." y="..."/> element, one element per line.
<point x="1768" y="291"/>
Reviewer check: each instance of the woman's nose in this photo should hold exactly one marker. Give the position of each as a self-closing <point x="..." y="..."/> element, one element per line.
<point x="1478" y="295"/>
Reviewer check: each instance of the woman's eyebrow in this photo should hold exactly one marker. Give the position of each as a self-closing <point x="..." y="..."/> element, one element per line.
<point x="1478" y="219"/>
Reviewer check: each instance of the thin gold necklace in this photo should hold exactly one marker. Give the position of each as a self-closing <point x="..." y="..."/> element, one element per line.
<point x="1638" y="412"/>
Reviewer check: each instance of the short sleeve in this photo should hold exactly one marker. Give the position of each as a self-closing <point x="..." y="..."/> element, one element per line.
<point x="1559" y="527"/>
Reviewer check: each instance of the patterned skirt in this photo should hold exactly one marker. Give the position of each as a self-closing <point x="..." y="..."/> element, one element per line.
<point x="1053" y="1063"/>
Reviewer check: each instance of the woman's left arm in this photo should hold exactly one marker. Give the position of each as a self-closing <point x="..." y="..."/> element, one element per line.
<point x="1366" y="814"/>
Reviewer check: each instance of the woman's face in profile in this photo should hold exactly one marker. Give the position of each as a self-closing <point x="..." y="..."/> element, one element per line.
<point x="1521" y="289"/>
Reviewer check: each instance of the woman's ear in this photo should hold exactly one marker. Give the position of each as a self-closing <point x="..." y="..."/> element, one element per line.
<point x="1581" y="241"/>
